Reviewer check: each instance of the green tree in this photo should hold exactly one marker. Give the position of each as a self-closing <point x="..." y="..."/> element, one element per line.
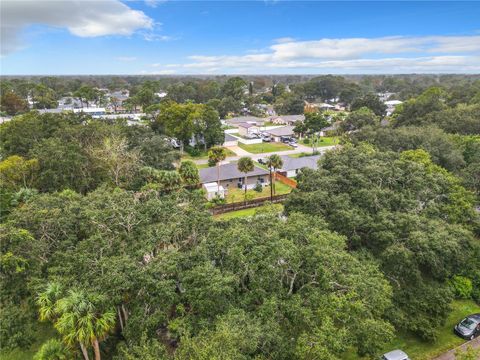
<point x="245" y="165"/>
<point x="358" y="119"/>
<point x="273" y="163"/>
<point x="12" y="104"/>
<point x="216" y="155"/>
<point x="370" y="101"/>
<point x="189" y="173"/>
<point x="16" y="172"/>
<point x="52" y="349"/>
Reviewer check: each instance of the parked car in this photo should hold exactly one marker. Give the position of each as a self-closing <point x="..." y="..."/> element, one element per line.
<point x="469" y="327"/>
<point x="262" y="161"/>
<point x="395" y="355"/>
<point x="293" y="144"/>
<point x="266" y="138"/>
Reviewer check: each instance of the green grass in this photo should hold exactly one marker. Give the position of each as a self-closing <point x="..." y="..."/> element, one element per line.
<point x="42" y="334"/>
<point x="203" y="154"/>
<point x="302" y="154"/>
<point x="246" y="212"/>
<point x="237" y="195"/>
<point x="264" y="147"/>
<point x="323" y="141"/>
<point x="202" y="166"/>
<point x="446" y="340"/>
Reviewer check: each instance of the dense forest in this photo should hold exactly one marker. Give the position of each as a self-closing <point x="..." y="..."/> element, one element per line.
<point x="107" y="241"/>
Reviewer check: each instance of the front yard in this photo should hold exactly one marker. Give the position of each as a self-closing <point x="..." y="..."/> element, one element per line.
<point x="322" y="141"/>
<point x="203" y="154"/>
<point x="446" y="340"/>
<point x="238" y="195"/>
<point x="265" y="147"/>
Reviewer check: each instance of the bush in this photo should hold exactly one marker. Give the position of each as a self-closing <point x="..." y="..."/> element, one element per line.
<point x="194" y="152"/>
<point x="258" y="187"/>
<point x="211" y="163"/>
<point x="217" y="200"/>
<point x="306" y="141"/>
<point x="462" y="287"/>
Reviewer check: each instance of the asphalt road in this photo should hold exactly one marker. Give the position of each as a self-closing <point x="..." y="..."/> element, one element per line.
<point x="255" y="157"/>
<point x="450" y="355"/>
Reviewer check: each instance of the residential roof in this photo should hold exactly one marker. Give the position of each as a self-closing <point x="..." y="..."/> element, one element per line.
<point x="229" y="137"/>
<point x="227" y="172"/>
<point x="290" y="163"/>
<point x="245" y="125"/>
<point x="393" y="102"/>
<point x="244" y="119"/>
<point x="281" y="131"/>
<point x="289" y="118"/>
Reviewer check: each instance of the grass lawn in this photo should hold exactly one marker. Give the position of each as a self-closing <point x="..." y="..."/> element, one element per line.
<point x="302" y="154"/>
<point x="237" y="195"/>
<point x="420" y="350"/>
<point x="264" y="147"/>
<point x="246" y="212"/>
<point x="203" y="154"/>
<point x="202" y="166"/>
<point x="42" y="334"/>
<point x="323" y="141"/>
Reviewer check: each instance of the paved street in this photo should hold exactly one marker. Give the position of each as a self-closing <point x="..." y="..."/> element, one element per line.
<point x="450" y="355"/>
<point x="255" y="157"/>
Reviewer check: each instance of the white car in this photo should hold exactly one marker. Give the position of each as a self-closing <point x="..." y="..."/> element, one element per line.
<point x="395" y="355"/>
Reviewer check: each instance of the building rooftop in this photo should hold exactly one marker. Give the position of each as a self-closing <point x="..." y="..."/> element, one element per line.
<point x="227" y="172"/>
<point x="281" y="131"/>
<point x="290" y="163"/>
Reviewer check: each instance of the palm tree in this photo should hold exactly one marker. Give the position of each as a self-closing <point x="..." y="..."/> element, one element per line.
<point x="47" y="300"/>
<point x="53" y="349"/>
<point x="245" y="165"/>
<point x="216" y="155"/>
<point x="273" y="162"/>
<point x="82" y="320"/>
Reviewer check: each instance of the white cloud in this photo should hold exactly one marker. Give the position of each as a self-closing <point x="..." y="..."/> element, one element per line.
<point x="83" y="19"/>
<point x="353" y="55"/>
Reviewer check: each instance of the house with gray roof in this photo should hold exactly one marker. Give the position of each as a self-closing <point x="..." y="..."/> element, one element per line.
<point x="230" y="140"/>
<point x="287" y="119"/>
<point x="244" y="119"/>
<point x="231" y="177"/>
<point x="291" y="166"/>
<point x="277" y="133"/>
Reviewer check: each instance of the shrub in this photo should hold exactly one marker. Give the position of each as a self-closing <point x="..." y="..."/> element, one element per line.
<point x="462" y="287"/>
<point x="258" y="187"/>
<point x="217" y="200"/>
<point x="306" y="141"/>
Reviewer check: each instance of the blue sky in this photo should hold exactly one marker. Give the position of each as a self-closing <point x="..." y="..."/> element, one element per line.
<point x="234" y="37"/>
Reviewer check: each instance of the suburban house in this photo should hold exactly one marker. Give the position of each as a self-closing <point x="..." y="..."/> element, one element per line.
<point x="277" y="133"/>
<point x="231" y="177"/>
<point x="287" y="119"/>
<point x="247" y="129"/>
<point x="291" y="166"/>
<point x="243" y="119"/>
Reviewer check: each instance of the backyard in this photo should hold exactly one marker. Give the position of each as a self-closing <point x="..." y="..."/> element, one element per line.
<point x="265" y="147"/>
<point x="446" y="340"/>
<point x="238" y="195"/>
<point x="248" y="212"/>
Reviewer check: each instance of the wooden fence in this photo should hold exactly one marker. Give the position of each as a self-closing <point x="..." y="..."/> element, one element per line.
<point x="287" y="181"/>
<point x="220" y="209"/>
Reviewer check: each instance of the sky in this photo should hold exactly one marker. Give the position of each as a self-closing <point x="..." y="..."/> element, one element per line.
<point x="64" y="37"/>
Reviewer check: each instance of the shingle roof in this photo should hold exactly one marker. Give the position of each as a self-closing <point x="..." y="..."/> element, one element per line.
<point x="227" y="171"/>
<point x="243" y="119"/>
<point x="290" y="163"/>
<point x="229" y="137"/>
<point x="289" y="118"/>
<point x="245" y="125"/>
<point x="281" y="131"/>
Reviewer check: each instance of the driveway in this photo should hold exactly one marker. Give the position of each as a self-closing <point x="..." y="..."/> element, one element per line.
<point x="240" y="153"/>
<point x="450" y="355"/>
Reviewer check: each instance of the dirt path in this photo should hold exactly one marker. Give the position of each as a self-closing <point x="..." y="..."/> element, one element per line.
<point x="450" y="355"/>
